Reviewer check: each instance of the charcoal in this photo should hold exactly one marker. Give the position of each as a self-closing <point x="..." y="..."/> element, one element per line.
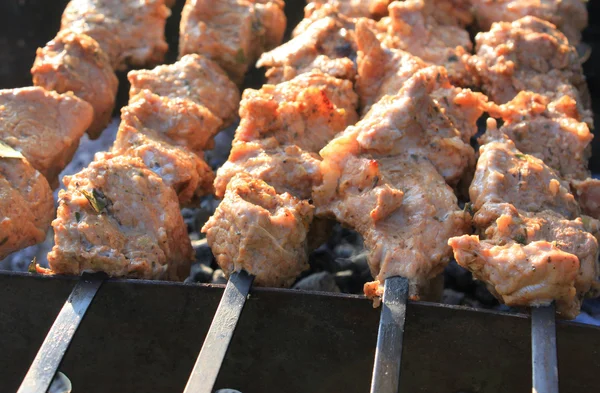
<point x="453" y="297"/>
<point x="203" y="253"/>
<point x="322" y="282"/>
<point x="218" y="277"/>
<point x="201" y="273"/>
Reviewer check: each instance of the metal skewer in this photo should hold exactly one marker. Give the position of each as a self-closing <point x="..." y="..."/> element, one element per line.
<point x="48" y="359"/>
<point x="206" y="370"/>
<point x="388" y="355"/>
<point x="543" y="350"/>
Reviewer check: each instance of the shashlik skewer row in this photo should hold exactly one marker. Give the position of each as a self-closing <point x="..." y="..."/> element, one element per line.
<point x="526" y="216"/>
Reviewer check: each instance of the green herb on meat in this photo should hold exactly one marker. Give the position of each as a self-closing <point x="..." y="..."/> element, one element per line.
<point x="97" y="199"/>
<point x="520" y="238"/>
<point x="3" y="241"/>
<point x="240" y="57"/>
<point x="31" y="268"/>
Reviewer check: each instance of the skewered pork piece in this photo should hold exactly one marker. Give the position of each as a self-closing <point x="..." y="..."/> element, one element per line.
<point x="186" y="172"/>
<point x="26" y="203"/>
<point x="324" y="40"/>
<point x="530" y="55"/>
<point x="118" y="217"/>
<point x="306" y="111"/>
<point x="44" y="126"/>
<point x="260" y="231"/>
<point x="548" y="130"/>
<point x="130" y="32"/>
<point x="358" y="8"/>
<point x="194" y="78"/>
<point x="570" y="16"/>
<point x="74" y="62"/>
<point x="417" y="27"/>
<point x="233" y="33"/>
<point x="286" y="168"/>
<point x="587" y="193"/>
<point x="532" y="246"/>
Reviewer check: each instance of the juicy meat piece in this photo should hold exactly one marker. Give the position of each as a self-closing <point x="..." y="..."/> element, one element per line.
<point x="507" y="230"/>
<point x="358" y="8"/>
<point x="381" y="70"/>
<point x="179" y="168"/>
<point x="505" y="174"/>
<point x="533" y="274"/>
<point x="306" y="111"/>
<point x="570" y="16"/>
<point x="529" y="54"/>
<point x="400" y="205"/>
<point x="131" y="32"/>
<point x="549" y="131"/>
<point x="257" y="230"/>
<point x="323" y="41"/>
<point x="194" y="78"/>
<point x="412" y="122"/>
<point x="118" y="217"/>
<point x="26" y="204"/>
<point x="285" y="168"/>
<point x="587" y="193"/>
<point x="74" y="62"/>
<point x="43" y="125"/>
<point x="182" y="121"/>
<point x="416" y="28"/>
<point x="233" y="33"/>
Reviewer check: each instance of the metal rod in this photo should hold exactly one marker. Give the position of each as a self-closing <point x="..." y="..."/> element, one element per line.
<point x="388" y="355"/>
<point x="543" y="350"/>
<point x="206" y="370"/>
<point x="48" y="359"/>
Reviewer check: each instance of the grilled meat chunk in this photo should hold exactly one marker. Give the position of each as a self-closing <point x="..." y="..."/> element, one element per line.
<point x="549" y="131"/>
<point x="400" y="205"/>
<point x="74" y="62"/>
<point x="529" y="54"/>
<point x="182" y="121"/>
<point x="415" y="27"/>
<point x="194" y="78"/>
<point x="179" y="168"/>
<point x="587" y="193"/>
<point x="324" y="40"/>
<point x="570" y="16"/>
<point x="26" y="203"/>
<point x="414" y="122"/>
<point x="306" y="111"/>
<point x="131" y="32"/>
<point x="358" y="8"/>
<point x="505" y="174"/>
<point x="118" y="217"/>
<point x="233" y="33"/>
<point x="260" y="231"/>
<point x="43" y="125"/>
<point x="285" y="168"/>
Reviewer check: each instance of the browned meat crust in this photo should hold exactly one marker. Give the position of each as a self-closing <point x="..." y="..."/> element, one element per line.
<point x="74" y="62"/>
<point x="285" y="168"/>
<point x="43" y="125"/>
<point x="417" y="27"/>
<point x="26" y="205"/>
<point x="179" y="168"/>
<point x="131" y="32"/>
<point x="260" y="231"/>
<point x="324" y="40"/>
<point x="233" y="33"/>
<point x="182" y="121"/>
<point x="306" y="111"/>
<point x="118" y="217"/>
<point x="194" y="78"/>
<point x="530" y="55"/>
<point x="570" y="16"/>
<point x="549" y="131"/>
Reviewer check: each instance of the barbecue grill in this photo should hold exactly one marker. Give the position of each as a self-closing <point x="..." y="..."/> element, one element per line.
<point x="144" y="336"/>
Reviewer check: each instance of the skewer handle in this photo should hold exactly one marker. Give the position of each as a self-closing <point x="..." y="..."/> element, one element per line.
<point x="48" y="359"/>
<point x="206" y="370"/>
<point x="388" y="354"/>
<point x="543" y="350"/>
